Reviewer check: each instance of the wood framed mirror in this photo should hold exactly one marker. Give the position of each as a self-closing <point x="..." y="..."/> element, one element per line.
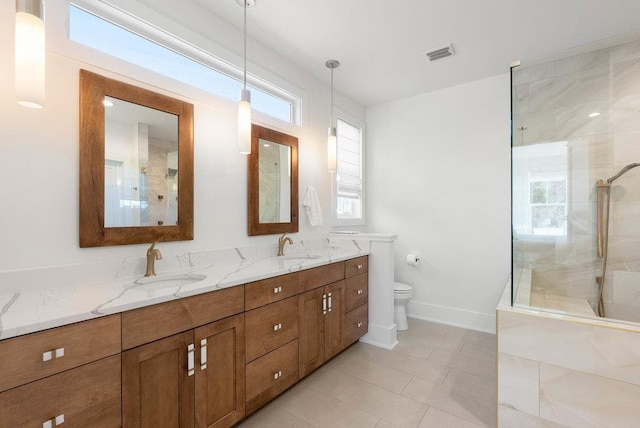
<point x="136" y="164"/>
<point x="273" y="182"/>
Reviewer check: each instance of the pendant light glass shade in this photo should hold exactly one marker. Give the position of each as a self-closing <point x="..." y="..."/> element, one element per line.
<point x="332" y="141"/>
<point x="332" y="148"/>
<point x="244" y="122"/>
<point x="29" y="53"/>
<point x="244" y="105"/>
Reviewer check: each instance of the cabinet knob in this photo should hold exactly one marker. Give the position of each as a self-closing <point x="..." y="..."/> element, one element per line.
<point x="277" y="290"/>
<point x="277" y="327"/>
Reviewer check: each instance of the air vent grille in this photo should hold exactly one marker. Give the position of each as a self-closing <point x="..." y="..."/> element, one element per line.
<point x="441" y="52"/>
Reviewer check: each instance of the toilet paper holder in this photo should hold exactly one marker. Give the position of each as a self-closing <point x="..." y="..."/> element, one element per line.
<point x="412" y="259"/>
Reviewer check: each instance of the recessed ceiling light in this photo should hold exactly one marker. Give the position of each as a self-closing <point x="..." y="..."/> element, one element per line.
<point x="594" y="114"/>
<point x="107" y="103"/>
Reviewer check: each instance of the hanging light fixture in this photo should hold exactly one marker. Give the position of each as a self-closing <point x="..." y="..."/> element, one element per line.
<point x="244" y="105"/>
<point x="332" y="145"/>
<point x="29" y="53"/>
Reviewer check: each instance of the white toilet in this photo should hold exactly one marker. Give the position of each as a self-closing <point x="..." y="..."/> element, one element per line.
<point x="402" y="293"/>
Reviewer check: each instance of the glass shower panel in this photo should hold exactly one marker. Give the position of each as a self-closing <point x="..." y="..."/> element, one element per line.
<point x="575" y="120"/>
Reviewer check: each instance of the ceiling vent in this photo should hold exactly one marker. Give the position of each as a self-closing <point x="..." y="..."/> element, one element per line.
<point x="441" y="52"/>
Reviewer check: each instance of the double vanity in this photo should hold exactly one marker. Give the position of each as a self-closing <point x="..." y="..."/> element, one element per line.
<point x="212" y="353"/>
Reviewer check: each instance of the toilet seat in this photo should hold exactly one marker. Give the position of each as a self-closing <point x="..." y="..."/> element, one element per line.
<point x="401" y="288"/>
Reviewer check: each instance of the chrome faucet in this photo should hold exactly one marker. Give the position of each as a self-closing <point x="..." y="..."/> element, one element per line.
<point x="281" y="243"/>
<point x="153" y="254"/>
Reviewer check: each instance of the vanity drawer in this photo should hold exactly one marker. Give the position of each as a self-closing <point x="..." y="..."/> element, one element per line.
<point x="150" y="323"/>
<point x="319" y="276"/>
<point x="270" y="290"/>
<point x="356" y="325"/>
<point x="34" y="356"/>
<point x="356" y="291"/>
<point x="355" y="267"/>
<point x="87" y="396"/>
<point x="268" y="376"/>
<point x="270" y="327"/>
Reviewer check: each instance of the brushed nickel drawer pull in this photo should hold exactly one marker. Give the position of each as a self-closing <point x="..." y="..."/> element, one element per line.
<point x="54" y="353"/>
<point x="360" y="291"/>
<point x="54" y="422"/>
<point x="191" y="349"/>
<point x="59" y="420"/>
<point x="277" y="327"/>
<point x="277" y="290"/>
<point x="329" y="302"/>
<point x="203" y="354"/>
<point x="360" y="266"/>
<point x="277" y="375"/>
<point x="324" y="304"/>
<point x="359" y="324"/>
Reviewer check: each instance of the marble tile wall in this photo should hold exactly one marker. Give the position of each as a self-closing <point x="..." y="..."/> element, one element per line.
<point x="556" y="370"/>
<point x="553" y="101"/>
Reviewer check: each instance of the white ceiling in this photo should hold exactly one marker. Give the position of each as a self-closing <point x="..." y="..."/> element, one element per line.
<point x="380" y="43"/>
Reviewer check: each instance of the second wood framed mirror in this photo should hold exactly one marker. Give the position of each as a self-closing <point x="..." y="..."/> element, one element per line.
<point x="273" y="182"/>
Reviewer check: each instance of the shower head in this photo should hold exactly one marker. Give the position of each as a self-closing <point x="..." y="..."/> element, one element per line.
<point x="621" y="172"/>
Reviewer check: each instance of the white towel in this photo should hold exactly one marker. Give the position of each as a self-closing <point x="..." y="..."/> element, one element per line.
<point x="311" y="204"/>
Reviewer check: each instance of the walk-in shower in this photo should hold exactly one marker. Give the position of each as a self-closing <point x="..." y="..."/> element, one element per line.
<point x="575" y="120"/>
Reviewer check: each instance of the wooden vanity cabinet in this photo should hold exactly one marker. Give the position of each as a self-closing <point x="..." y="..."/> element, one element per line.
<point x="68" y="374"/>
<point x="356" y="300"/>
<point x="321" y="316"/>
<point x="191" y="378"/>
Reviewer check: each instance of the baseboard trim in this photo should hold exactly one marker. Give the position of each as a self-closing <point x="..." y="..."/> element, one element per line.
<point x="452" y="316"/>
<point x="380" y="336"/>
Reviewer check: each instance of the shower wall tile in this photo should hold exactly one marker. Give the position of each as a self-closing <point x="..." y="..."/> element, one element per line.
<point x="580" y="399"/>
<point x="587" y="347"/>
<point x="625" y="78"/>
<point x="574" y="121"/>
<point x="509" y="417"/>
<point x="626" y="147"/>
<point x="625" y="52"/>
<point x="624" y="288"/>
<point x="539" y="127"/>
<point x="518" y="388"/>
<point x="596" y="62"/>
<point x="534" y="73"/>
<point x="624" y="219"/>
<point x="568" y="90"/>
<point x="622" y="312"/>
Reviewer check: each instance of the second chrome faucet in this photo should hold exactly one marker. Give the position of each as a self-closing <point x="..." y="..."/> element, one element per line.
<point x="281" y="241"/>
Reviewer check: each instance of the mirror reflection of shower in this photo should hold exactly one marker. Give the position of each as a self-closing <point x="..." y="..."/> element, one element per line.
<point x="604" y="206"/>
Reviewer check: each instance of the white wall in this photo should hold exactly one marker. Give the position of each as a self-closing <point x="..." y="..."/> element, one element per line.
<point x="39" y="148"/>
<point x="438" y="174"/>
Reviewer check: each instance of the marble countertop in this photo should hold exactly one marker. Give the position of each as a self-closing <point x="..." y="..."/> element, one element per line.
<point x="36" y="310"/>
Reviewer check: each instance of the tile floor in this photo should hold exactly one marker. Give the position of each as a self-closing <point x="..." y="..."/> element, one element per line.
<point x="437" y="376"/>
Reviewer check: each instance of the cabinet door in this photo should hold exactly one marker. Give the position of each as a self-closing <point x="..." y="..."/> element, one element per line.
<point x="219" y="381"/>
<point x="311" y="330"/>
<point x="334" y="319"/>
<point x="156" y="388"/>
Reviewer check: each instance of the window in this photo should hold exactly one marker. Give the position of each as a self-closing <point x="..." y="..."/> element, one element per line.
<point x="348" y="183"/>
<point x="548" y="206"/>
<point x="115" y="40"/>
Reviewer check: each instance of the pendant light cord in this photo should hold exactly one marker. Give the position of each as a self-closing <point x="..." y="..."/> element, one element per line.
<point x="244" y="78"/>
<point x="331" y="113"/>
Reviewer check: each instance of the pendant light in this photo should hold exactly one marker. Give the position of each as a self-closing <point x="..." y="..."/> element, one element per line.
<point x="29" y="53"/>
<point x="332" y="145"/>
<point x="244" y="105"/>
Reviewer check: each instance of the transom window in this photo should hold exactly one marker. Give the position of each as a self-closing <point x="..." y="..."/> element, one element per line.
<point x="116" y="40"/>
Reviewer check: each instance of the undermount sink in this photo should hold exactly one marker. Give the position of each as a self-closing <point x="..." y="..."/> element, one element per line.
<point x="174" y="280"/>
<point x="298" y="257"/>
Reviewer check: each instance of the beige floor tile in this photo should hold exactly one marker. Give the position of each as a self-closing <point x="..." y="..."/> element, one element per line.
<point x="456" y="402"/>
<point x="413" y="366"/>
<point x="327" y="379"/>
<point x="385" y="424"/>
<point x="477" y="366"/>
<point x="509" y="418"/>
<point x="274" y="417"/>
<point x="386" y="405"/>
<point x="419" y="327"/>
<point x="373" y="373"/>
<point x="480" y="386"/>
<point x="321" y="410"/>
<point x="416" y="346"/>
<point x="481" y="351"/>
<point x="438" y="419"/>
